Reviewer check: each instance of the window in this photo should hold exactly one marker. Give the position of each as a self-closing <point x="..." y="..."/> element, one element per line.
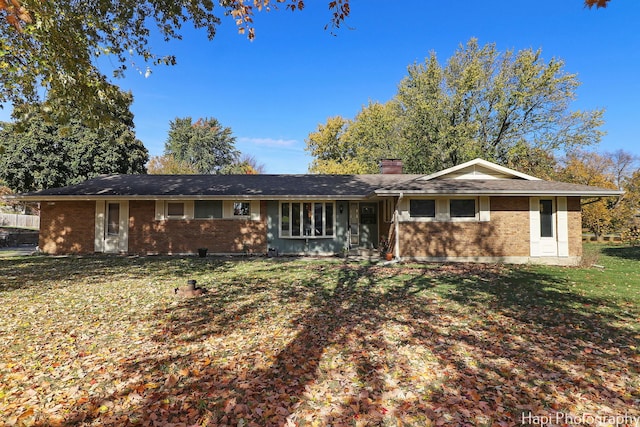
<point x="317" y="219"/>
<point x="175" y="209"/>
<point x="546" y="218"/>
<point x="296" y="219"/>
<point x="446" y="209"/>
<point x="422" y="208"/>
<point x="306" y="219"/>
<point x="462" y="208"/>
<point x="285" y="219"/>
<point x="328" y="220"/>
<point x="113" y="219"/>
<point x="207" y="209"/>
<point x="241" y="208"/>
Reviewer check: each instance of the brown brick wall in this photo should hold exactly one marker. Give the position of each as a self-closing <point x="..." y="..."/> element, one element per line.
<point x="506" y="234"/>
<point x="67" y="227"/>
<point x="147" y="235"/>
<point x="575" y="226"/>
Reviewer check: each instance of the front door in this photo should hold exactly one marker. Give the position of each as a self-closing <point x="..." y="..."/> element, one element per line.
<point x="368" y="225"/>
<point x="363" y="225"/>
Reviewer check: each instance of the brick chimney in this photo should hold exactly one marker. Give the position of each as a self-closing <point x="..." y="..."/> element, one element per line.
<point x="391" y="166"/>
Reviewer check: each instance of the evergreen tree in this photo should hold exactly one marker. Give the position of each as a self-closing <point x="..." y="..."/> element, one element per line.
<point x="42" y="151"/>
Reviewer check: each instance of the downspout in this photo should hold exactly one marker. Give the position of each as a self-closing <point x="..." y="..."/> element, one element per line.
<point x="396" y="249"/>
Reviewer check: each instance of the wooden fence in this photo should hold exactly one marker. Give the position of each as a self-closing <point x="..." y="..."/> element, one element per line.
<point x="20" y="221"/>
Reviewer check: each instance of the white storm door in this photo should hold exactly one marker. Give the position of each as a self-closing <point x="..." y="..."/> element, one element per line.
<point x="548" y="230"/>
<point x="115" y="229"/>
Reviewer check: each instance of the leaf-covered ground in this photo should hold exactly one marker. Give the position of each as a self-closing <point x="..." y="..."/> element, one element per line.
<point x="103" y="341"/>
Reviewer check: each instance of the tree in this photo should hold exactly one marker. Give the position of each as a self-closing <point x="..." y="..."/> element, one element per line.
<point x="167" y="164"/>
<point x="332" y="152"/>
<point x="327" y="142"/>
<point x="53" y="45"/>
<point x="491" y="105"/>
<point x="631" y="199"/>
<point x="509" y="108"/>
<point x="374" y="133"/>
<point x="591" y="169"/>
<point x="41" y="152"/>
<point x="356" y="146"/>
<point x="606" y="170"/>
<point x="206" y="146"/>
<point x="596" y="3"/>
<point x="245" y="165"/>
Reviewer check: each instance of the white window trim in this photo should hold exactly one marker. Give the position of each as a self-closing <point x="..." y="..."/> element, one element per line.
<point x="560" y="228"/>
<point x="474" y="218"/>
<point x="302" y="236"/>
<point x="233" y="209"/>
<point x="443" y="213"/>
<point x="254" y="210"/>
<point x="189" y="211"/>
<point x="428" y="218"/>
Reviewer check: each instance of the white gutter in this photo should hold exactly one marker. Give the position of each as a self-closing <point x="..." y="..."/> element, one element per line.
<point x="55" y="198"/>
<point x="587" y="193"/>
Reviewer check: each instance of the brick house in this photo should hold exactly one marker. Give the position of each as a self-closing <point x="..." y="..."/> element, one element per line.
<point x="477" y="211"/>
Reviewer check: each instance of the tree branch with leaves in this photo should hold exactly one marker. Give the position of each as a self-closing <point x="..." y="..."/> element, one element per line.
<point x="50" y="47"/>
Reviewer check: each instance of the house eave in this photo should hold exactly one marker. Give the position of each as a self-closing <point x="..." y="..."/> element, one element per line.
<point x="500" y="193"/>
<point x="114" y="197"/>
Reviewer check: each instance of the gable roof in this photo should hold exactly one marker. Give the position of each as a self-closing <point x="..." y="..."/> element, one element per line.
<point x="480" y="177"/>
<point x="478" y="169"/>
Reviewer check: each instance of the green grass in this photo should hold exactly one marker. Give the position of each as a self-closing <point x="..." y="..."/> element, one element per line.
<point x="105" y="341"/>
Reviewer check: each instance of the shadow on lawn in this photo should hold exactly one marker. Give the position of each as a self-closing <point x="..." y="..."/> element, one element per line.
<point x="625" y="252"/>
<point x="501" y="341"/>
<point x="45" y="272"/>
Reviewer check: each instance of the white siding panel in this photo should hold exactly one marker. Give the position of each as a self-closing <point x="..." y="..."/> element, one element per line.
<point x="98" y="242"/>
<point x="485" y="209"/>
<point x="534" y="225"/>
<point x="563" y="226"/>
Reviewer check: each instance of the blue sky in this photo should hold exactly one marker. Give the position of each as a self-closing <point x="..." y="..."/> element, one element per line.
<point x="274" y="91"/>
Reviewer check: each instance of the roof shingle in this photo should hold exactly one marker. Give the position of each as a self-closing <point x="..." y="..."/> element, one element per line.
<point x="302" y="186"/>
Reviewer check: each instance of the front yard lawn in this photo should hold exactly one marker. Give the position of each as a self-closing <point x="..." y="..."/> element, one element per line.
<point x="90" y="341"/>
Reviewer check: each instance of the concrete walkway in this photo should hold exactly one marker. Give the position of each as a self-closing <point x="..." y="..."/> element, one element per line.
<point x="23" y="250"/>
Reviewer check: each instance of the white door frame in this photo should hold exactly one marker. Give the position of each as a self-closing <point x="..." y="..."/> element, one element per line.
<point x="558" y="243"/>
<point x="354" y="224"/>
<point x="549" y="244"/>
<point x="111" y="242"/>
